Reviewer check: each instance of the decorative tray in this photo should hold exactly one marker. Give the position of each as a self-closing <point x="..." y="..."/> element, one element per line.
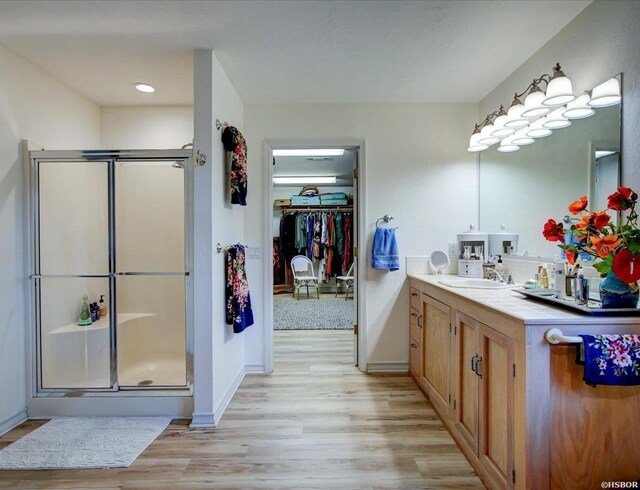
<point x="594" y="307"/>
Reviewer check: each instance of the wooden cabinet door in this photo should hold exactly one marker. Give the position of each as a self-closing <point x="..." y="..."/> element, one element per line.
<point x="435" y="371"/>
<point x="495" y="441"/>
<point x="415" y="340"/>
<point x="465" y="385"/>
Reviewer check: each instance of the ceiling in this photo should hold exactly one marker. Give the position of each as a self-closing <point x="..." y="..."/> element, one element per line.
<point x="340" y="166"/>
<point x="285" y="51"/>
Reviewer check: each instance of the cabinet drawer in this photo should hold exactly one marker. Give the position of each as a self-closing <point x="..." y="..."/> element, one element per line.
<point x="415" y="325"/>
<point x="414" y="356"/>
<point x="414" y="299"/>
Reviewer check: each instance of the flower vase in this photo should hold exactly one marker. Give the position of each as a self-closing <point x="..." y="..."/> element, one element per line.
<point x="617" y="294"/>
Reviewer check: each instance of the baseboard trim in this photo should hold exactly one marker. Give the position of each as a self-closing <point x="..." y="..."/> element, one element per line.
<point x="13" y="421"/>
<point x="202" y="421"/>
<point x="388" y="367"/>
<point x="226" y="399"/>
<point x="255" y="369"/>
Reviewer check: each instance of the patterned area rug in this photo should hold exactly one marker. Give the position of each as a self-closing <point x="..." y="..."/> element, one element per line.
<point x="83" y="442"/>
<point x="313" y="314"/>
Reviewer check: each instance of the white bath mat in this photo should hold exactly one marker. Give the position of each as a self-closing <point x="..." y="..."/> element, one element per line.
<point x="82" y="443"/>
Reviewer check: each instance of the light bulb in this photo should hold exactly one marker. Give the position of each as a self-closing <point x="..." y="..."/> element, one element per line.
<point x="606" y="94"/>
<point x="521" y="138"/>
<point x="579" y="108"/>
<point x="555" y="119"/>
<point x="537" y="130"/>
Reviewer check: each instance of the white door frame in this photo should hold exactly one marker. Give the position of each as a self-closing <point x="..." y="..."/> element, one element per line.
<point x="360" y="293"/>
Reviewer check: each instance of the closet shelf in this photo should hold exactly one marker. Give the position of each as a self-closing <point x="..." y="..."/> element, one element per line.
<point x="328" y="207"/>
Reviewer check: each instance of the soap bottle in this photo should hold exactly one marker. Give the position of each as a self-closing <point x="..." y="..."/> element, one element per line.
<point x="102" y="306"/>
<point x="559" y="279"/>
<point x="544" y="277"/>
<point x="85" y="314"/>
<point x="499" y="265"/>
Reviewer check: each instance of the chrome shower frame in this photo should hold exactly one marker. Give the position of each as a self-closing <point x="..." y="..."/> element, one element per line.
<point x="33" y="278"/>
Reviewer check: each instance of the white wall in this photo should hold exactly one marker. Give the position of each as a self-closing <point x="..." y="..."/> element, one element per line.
<point x="417" y="169"/>
<point x="36" y="107"/>
<point x="146" y="127"/>
<point x="599" y="43"/>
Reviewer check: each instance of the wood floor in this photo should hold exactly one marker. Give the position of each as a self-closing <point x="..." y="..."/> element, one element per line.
<point x="316" y="422"/>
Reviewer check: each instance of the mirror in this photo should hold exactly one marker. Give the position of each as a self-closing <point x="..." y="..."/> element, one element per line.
<point x="439" y="261"/>
<point x="521" y="190"/>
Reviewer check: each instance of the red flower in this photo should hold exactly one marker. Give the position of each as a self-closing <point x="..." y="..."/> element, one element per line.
<point x="622" y="199"/>
<point x="626" y="266"/>
<point x="571" y="256"/>
<point x="600" y="220"/>
<point x="576" y="207"/>
<point x="553" y="231"/>
<point x="605" y="245"/>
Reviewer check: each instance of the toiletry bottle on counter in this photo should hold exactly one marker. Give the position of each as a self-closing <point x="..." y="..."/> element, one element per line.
<point x="559" y="279"/>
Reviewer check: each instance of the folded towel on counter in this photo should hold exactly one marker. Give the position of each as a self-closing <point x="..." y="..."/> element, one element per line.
<point x="384" y="254"/>
<point x="610" y="359"/>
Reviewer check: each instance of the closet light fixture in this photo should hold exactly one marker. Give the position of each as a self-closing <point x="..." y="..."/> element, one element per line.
<point x="144" y="87"/>
<point x="315" y="152"/>
<point x="305" y="180"/>
<point x="579" y="108"/>
<point x="556" y="120"/>
<point x="606" y="94"/>
<point x="559" y="90"/>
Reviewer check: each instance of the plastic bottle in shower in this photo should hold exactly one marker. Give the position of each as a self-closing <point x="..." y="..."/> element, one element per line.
<point x="85" y="313"/>
<point x="103" y="306"/>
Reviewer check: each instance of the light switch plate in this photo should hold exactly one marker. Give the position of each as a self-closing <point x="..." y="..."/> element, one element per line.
<point x="453" y="249"/>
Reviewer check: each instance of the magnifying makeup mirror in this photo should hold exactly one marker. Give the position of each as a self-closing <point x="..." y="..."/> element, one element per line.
<point x="439" y="261"/>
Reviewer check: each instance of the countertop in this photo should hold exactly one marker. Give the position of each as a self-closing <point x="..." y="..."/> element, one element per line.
<point x="513" y="304"/>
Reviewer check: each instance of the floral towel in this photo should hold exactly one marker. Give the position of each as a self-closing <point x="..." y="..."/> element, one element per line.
<point x="235" y="144"/>
<point x="238" y="300"/>
<point x="611" y="359"/>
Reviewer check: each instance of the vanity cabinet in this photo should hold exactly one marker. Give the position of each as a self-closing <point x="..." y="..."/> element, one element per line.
<point x="516" y="406"/>
<point x="435" y="371"/>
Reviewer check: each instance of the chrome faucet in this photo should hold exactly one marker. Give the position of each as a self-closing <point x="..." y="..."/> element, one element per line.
<point x="497" y="276"/>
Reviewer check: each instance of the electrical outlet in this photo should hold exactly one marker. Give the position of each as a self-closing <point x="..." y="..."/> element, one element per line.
<point x="453" y="249"/>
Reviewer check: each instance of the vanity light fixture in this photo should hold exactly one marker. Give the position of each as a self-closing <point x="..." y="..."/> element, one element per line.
<point x="579" y="108"/>
<point x="499" y="128"/>
<point x="474" y="142"/>
<point x="144" y="87"/>
<point x="537" y="129"/>
<point x="486" y="138"/>
<point x="556" y="120"/>
<point x="500" y="124"/>
<point x="606" y="94"/>
<point x="305" y="180"/>
<point x="314" y="152"/>
<point x="521" y="138"/>
<point x="559" y="90"/>
<point x="507" y="145"/>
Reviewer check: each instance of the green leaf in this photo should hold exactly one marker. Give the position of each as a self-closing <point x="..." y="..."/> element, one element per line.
<point x="634" y="245"/>
<point x="605" y="266"/>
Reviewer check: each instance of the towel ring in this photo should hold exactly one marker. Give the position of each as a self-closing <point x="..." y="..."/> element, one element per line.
<point x="386" y="218"/>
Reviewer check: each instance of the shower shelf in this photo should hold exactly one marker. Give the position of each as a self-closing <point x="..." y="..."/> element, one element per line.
<point x="100" y="324"/>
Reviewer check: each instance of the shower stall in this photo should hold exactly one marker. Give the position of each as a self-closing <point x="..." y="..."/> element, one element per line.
<point x="112" y="226"/>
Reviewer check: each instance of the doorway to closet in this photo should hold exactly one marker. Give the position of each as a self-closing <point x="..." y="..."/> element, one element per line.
<point x="314" y="248"/>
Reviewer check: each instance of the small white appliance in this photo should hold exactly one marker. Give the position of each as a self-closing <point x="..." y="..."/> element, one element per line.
<point x="503" y="242"/>
<point x="472" y="252"/>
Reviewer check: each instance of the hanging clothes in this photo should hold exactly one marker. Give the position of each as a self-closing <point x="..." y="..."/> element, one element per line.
<point x="339" y="234"/>
<point x="238" y="299"/>
<point x="235" y="144"/>
<point x="310" y="236"/>
<point x="300" y="235"/>
<point x="346" y="259"/>
<point x="287" y="236"/>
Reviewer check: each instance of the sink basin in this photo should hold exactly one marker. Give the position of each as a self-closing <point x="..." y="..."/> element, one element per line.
<point x="472" y="283"/>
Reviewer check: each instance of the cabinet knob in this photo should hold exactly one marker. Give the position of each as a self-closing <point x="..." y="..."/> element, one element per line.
<point x="420" y="321"/>
<point x="413" y="314"/>
<point x="414" y="345"/>
<point x="414" y="294"/>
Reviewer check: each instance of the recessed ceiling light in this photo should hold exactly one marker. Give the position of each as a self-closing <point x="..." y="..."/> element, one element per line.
<point x="144" y="87"/>
<point x="316" y="152"/>
<point x="305" y="180"/>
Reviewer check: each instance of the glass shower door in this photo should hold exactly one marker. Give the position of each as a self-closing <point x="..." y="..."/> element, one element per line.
<point x="72" y="260"/>
<point x="151" y="273"/>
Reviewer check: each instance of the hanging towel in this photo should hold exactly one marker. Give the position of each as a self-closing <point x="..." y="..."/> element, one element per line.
<point x="235" y="144"/>
<point x="610" y="359"/>
<point x="238" y="300"/>
<point x="385" y="250"/>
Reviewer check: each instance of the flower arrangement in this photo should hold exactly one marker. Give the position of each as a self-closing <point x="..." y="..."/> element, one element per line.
<point x="616" y="246"/>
